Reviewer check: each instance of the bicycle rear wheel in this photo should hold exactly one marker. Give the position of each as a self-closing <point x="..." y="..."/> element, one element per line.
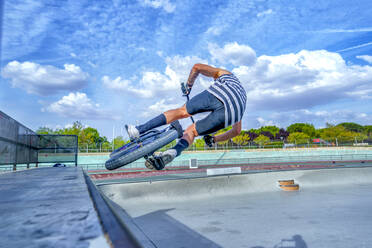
<point x="136" y="150"/>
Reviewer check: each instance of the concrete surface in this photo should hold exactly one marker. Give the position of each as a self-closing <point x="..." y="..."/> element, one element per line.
<point x="48" y="207"/>
<point x="332" y="209"/>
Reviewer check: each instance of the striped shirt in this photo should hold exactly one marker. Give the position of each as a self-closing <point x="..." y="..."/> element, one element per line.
<point x="230" y="91"/>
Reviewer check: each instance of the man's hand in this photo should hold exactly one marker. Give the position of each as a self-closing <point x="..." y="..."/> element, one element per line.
<point x="209" y="140"/>
<point x="186" y="89"/>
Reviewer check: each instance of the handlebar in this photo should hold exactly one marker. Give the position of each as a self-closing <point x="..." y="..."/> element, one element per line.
<point x="184" y="90"/>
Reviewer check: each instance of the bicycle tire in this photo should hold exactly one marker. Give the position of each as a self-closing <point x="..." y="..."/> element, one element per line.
<point x="125" y="147"/>
<point x="124" y="157"/>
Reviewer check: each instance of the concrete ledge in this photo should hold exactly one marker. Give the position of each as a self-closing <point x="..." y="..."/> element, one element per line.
<point x="48" y="207"/>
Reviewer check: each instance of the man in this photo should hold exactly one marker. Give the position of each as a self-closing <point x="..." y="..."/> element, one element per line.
<point x="225" y="99"/>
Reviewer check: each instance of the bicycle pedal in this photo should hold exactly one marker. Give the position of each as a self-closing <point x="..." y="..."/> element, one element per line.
<point x="150" y="163"/>
<point x="155" y="163"/>
<point x="159" y="163"/>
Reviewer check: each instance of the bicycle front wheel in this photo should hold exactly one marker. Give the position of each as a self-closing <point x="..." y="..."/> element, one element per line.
<point x="133" y="150"/>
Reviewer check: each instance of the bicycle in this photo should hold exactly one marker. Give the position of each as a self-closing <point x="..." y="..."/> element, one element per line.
<point x="146" y="145"/>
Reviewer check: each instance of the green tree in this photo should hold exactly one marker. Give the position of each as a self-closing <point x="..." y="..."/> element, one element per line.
<point x="262" y="140"/>
<point x="76" y="128"/>
<point x="348" y="136"/>
<point x="242" y="139"/>
<point x="199" y="143"/>
<point x="342" y="135"/>
<point x="272" y="129"/>
<point x="368" y="130"/>
<point x="361" y="137"/>
<point x="319" y="132"/>
<point x="305" y="128"/>
<point x="298" y="138"/>
<point x="331" y="133"/>
<point x="106" y="145"/>
<point x="45" y="130"/>
<point x="89" y="136"/>
<point x="328" y="125"/>
<point x="119" y="142"/>
<point x="256" y="131"/>
<point x="351" y="126"/>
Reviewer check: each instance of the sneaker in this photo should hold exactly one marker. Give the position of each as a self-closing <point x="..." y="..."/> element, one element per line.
<point x="133" y="132"/>
<point x="168" y="155"/>
<point x="158" y="162"/>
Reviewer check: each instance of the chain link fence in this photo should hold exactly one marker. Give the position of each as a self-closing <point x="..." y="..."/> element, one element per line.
<point x="21" y="146"/>
<point x="279" y="144"/>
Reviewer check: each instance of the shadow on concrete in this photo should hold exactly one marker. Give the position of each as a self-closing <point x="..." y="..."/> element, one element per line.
<point x="295" y="242"/>
<point x="165" y="231"/>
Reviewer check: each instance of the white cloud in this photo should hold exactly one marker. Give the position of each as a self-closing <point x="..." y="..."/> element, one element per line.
<point x="262" y="122"/>
<point x="165" y="4"/>
<point x="286" y="83"/>
<point x="233" y="53"/>
<point x="366" y="58"/>
<point x="303" y="80"/>
<point x="78" y="105"/>
<point x="159" y="107"/>
<point x="266" y="12"/>
<point x="156" y="84"/>
<point x="215" y="30"/>
<point x="44" y="79"/>
<point x="115" y="84"/>
<point x="69" y="125"/>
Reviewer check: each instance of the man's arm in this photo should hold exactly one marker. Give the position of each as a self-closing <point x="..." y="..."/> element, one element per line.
<point x="205" y="70"/>
<point x="235" y="131"/>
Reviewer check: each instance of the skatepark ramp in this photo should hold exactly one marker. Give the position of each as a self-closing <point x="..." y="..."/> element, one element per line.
<point x="249" y="210"/>
<point x="61" y="207"/>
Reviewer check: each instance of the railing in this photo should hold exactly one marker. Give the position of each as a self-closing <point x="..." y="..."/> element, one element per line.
<point x="250" y="145"/>
<point x="248" y="161"/>
<point x="20" y="146"/>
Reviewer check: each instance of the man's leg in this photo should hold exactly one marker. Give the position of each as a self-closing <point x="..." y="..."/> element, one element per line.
<point x="176" y="114"/>
<point x="212" y="123"/>
<point x="187" y="139"/>
<point x="166" y="157"/>
<point x="160" y="120"/>
<point x="202" y="102"/>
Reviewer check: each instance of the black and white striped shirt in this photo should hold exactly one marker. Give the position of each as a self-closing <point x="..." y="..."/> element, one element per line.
<point x="230" y="91"/>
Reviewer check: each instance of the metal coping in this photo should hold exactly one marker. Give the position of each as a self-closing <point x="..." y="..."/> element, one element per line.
<point x="118" y="232"/>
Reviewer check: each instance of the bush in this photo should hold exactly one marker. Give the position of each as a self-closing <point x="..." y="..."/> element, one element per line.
<point x="276" y="144"/>
<point x="262" y="140"/>
<point x="298" y="138"/>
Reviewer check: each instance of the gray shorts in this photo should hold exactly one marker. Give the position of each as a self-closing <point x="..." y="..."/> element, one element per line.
<point x="206" y="102"/>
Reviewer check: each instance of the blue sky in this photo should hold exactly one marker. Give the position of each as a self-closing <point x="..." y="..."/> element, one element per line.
<point x="107" y="63"/>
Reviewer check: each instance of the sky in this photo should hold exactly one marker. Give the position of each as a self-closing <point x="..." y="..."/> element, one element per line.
<point x="111" y="63"/>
